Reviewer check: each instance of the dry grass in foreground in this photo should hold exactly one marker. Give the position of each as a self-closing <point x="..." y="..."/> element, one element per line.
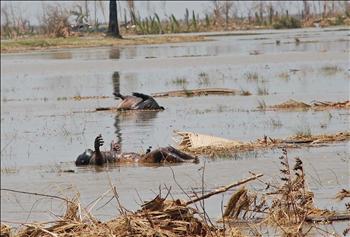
<point x="287" y="206"/>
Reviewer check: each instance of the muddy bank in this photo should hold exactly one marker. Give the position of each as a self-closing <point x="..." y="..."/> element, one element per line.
<point x="46" y="43"/>
<point x="201" y="144"/>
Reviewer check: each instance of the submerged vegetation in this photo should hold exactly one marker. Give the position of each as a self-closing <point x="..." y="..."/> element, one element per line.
<point x="251" y="76"/>
<point x="262" y="90"/>
<point x="180" y="81"/>
<point x="330" y="69"/>
<point x="303" y="130"/>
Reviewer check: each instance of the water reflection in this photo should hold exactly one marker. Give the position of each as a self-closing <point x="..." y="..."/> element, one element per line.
<point x="62" y="55"/>
<point x="116" y="89"/>
<point x="114" y="53"/>
<point x="142" y="118"/>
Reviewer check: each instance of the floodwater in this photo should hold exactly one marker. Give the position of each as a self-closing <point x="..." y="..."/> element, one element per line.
<point x="43" y="128"/>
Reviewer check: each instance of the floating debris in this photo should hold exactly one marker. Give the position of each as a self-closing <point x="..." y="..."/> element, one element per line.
<point x="316" y="105"/>
<point x="201" y="144"/>
<point x="196" y="140"/>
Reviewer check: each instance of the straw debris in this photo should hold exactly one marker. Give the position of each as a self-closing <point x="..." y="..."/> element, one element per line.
<point x="316" y="105"/>
<point x="289" y="206"/>
<point x="343" y="194"/>
<point x="158" y="217"/>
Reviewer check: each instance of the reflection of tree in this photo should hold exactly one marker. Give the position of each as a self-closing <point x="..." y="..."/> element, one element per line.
<point x="116" y="82"/>
<point x="114" y="53"/>
<point x="118" y="131"/>
<point x="141" y="118"/>
<point x="116" y="89"/>
<point x="62" y="55"/>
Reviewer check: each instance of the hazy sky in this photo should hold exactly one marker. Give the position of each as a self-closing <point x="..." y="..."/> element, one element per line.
<point x="31" y="10"/>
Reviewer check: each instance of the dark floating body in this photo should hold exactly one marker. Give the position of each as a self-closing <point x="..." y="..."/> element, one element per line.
<point x="161" y="155"/>
<point x="137" y="101"/>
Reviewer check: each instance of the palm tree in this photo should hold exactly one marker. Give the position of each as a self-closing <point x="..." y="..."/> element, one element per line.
<point x="113" y="27"/>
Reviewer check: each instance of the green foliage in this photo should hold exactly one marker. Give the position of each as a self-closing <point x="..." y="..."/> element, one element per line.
<point x="339" y="20"/>
<point x="175" y="26"/>
<point x="207" y="20"/>
<point x="257" y="18"/>
<point x="194" y="21"/>
<point x="271" y="11"/>
<point x="287" y="22"/>
<point x="187" y="15"/>
<point x="160" y="29"/>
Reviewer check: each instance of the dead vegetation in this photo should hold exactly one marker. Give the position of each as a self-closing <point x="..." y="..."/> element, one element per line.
<point x="288" y="206"/>
<point x="316" y="105"/>
<point x="343" y="194"/>
<point x="158" y="217"/>
<point x="201" y="144"/>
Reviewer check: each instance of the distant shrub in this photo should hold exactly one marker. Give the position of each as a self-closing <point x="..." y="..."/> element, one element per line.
<point x="286" y="22"/>
<point x="55" y="21"/>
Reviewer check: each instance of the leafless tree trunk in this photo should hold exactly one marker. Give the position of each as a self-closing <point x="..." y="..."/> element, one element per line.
<point x="86" y="9"/>
<point x="131" y="7"/>
<point x="113" y="27"/>
<point x="227" y="7"/>
<point x="306" y="9"/>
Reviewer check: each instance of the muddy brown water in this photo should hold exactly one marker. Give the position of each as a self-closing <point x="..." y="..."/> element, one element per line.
<point x="43" y="129"/>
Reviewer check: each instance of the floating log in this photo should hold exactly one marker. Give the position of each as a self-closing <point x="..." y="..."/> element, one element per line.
<point x="335" y="217"/>
<point x="197" y="92"/>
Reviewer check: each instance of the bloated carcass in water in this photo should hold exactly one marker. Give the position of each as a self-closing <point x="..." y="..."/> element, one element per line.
<point x="161" y="155"/>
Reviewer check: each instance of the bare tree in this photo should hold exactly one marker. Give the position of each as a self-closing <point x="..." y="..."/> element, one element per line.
<point x="227" y="5"/>
<point x="113" y="27"/>
<point x="306" y="11"/>
<point x="131" y="8"/>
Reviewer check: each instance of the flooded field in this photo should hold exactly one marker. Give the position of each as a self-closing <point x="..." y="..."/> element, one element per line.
<point x="48" y="102"/>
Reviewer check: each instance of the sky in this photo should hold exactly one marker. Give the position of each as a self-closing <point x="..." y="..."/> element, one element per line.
<point x="31" y="10"/>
